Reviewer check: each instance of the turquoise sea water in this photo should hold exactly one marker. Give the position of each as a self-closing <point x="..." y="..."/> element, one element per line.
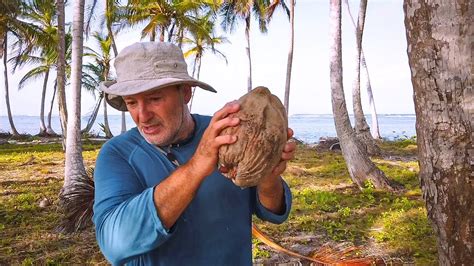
<point x="307" y="127"/>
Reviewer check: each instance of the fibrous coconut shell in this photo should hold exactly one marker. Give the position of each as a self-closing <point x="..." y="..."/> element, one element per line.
<point x="261" y="136"/>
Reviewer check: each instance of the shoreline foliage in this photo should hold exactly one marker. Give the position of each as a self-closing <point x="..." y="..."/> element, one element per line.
<point x="328" y="209"/>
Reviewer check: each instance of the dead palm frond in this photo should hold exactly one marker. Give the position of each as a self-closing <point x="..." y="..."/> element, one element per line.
<point x="76" y="204"/>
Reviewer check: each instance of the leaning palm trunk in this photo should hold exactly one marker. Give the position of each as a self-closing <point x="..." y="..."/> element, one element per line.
<point x="123" y="128"/>
<point x="374" y="128"/>
<point x="361" y="169"/>
<point x="290" y="57"/>
<point x="361" y="127"/>
<point x="108" y="133"/>
<point x="74" y="168"/>
<point x="43" y="99"/>
<point x="93" y="116"/>
<point x="197" y="63"/>
<point x="373" y="112"/>
<point x="247" y="37"/>
<point x="49" y="129"/>
<point x="114" y="48"/>
<point x="61" y="69"/>
<point x="440" y="38"/>
<point x="7" y="95"/>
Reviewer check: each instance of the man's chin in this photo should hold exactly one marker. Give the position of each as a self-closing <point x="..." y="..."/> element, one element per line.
<point x="153" y="139"/>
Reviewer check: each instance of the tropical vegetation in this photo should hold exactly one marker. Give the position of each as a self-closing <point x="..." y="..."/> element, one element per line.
<point x="34" y="34"/>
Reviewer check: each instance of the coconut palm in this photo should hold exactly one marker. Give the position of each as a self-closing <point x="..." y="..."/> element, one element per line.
<point x="439" y="39"/>
<point x="61" y="69"/>
<point x="361" y="169"/>
<point x="9" y="23"/>
<point x="164" y="17"/>
<point x="362" y="129"/>
<point x="289" y="65"/>
<point x="235" y="10"/>
<point x="74" y="168"/>
<point x="110" y="17"/>
<point x="197" y="44"/>
<point x="375" y="124"/>
<point x="41" y="71"/>
<point x="42" y="14"/>
<point x="91" y="81"/>
<point x="100" y="70"/>
<point x="45" y="62"/>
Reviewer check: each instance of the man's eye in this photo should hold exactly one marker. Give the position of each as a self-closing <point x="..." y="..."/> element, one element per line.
<point x="130" y="103"/>
<point x="155" y="99"/>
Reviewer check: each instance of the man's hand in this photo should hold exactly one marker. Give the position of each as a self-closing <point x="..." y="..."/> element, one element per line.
<point x="270" y="188"/>
<point x="204" y="160"/>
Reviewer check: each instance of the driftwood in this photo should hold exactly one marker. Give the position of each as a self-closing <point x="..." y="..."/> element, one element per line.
<point x="261" y="136"/>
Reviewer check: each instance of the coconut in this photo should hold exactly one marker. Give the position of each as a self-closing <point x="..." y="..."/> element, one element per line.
<point x="261" y="136"/>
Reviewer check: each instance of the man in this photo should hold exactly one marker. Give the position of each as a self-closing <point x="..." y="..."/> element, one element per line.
<point x="160" y="199"/>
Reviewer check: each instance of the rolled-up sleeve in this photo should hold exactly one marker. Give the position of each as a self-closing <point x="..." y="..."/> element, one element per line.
<point x="266" y="215"/>
<point x="125" y="218"/>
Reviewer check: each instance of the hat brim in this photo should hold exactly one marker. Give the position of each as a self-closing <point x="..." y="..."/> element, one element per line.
<point x="115" y="90"/>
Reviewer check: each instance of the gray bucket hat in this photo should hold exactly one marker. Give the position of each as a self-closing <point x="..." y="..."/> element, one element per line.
<point x="147" y="66"/>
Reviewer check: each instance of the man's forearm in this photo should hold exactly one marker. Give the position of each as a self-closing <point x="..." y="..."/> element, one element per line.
<point x="174" y="194"/>
<point x="271" y="195"/>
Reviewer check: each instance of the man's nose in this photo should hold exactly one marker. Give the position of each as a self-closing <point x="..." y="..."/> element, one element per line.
<point x="144" y="112"/>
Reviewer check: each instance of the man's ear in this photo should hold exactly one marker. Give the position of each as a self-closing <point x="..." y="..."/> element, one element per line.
<point x="187" y="93"/>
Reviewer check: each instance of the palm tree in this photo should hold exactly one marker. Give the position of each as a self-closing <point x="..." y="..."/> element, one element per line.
<point x="111" y="16"/>
<point x="74" y="168"/>
<point x="164" y="17"/>
<point x="100" y="71"/>
<point x="199" y="43"/>
<point x="233" y="10"/>
<point x="9" y="23"/>
<point x="61" y="69"/>
<point x="289" y="65"/>
<point x="91" y="76"/>
<point x="361" y="169"/>
<point x="375" y="123"/>
<point x="361" y="127"/>
<point x="439" y="39"/>
<point x="41" y="13"/>
<point x="43" y="70"/>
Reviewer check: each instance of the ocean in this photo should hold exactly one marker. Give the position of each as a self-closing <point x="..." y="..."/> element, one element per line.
<point x="307" y="127"/>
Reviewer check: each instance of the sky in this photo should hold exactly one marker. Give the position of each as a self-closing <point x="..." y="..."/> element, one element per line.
<point x="384" y="45"/>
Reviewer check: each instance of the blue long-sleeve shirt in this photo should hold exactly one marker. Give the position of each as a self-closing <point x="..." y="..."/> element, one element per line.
<point x="214" y="229"/>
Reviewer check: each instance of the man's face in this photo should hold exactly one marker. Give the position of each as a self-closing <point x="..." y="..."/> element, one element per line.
<point x="158" y="113"/>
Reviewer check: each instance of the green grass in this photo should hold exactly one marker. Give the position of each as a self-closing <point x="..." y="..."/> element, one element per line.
<point x="29" y="174"/>
<point x="326" y="205"/>
<point x="325" y="202"/>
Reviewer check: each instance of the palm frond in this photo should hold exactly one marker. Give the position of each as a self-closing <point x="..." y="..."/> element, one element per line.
<point x="76" y="204"/>
<point x="33" y="74"/>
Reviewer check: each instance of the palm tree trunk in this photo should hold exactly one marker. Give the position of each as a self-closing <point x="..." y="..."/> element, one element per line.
<point x="374" y="128"/>
<point x="439" y="37"/>
<point x="114" y="48"/>
<point x="247" y="37"/>
<point x="162" y="34"/>
<point x="361" y="126"/>
<point x="7" y="95"/>
<point x="61" y="69"/>
<point x="360" y="167"/>
<point x="373" y="112"/>
<point x="74" y="168"/>
<point x="49" y="129"/>
<point x="290" y="57"/>
<point x="196" y="62"/>
<point x="93" y="116"/>
<point x="171" y="31"/>
<point x="108" y="133"/>
<point x="43" y="99"/>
